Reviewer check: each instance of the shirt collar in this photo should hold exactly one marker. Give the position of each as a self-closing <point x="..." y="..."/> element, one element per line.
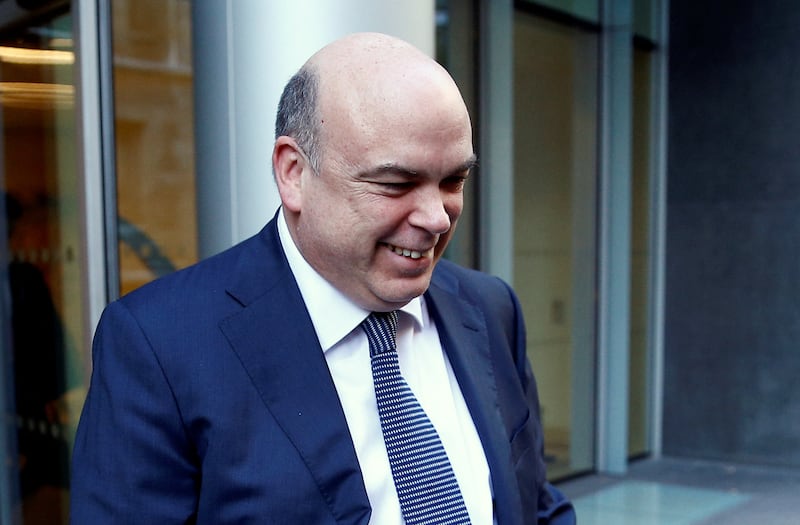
<point x="332" y="313"/>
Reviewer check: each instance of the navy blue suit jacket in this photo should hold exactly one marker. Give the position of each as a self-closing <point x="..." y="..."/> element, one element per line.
<point x="211" y="401"/>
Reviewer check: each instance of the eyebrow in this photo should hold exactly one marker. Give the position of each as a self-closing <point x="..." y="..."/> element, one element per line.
<point x="391" y="167"/>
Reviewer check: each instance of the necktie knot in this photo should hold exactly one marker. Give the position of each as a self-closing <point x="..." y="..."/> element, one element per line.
<point x="381" y="330"/>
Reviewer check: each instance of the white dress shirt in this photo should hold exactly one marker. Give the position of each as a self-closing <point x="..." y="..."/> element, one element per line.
<point x="424" y="366"/>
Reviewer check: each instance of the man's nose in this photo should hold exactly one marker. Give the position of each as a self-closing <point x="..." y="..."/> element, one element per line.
<point x="430" y="212"/>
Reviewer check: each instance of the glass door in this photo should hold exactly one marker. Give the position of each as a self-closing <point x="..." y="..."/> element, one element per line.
<point x="41" y="323"/>
<point x="645" y="224"/>
<point x="154" y="132"/>
<point x="555" y="159"/>
<point x="641" y="259"/>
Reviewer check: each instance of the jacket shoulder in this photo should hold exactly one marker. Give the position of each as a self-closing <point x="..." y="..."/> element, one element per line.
<point x="250" y="260"/>
<point x="478" y="287"/>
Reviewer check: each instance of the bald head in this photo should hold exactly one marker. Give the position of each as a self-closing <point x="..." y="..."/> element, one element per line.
<point x="363" y="58"/>
<point x="354" y="82"/>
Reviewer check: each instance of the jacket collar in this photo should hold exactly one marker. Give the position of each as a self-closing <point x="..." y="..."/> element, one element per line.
<point x="464" y="336"/>
<point x="296" y="387"/>
<point x="292" y="378"/>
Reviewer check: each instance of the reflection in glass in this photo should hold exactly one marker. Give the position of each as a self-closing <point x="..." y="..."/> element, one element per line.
<point x="639" y="399"/>
<point x="154" y="138"/>
<point x="588" y="10"/>
<point x="41" y="273"/>
<point x="555" y="110"/>
<point x="455" y="50"/>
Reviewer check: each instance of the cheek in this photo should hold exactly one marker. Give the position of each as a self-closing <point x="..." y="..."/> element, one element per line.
<point x="453" y="205"/>
<point x="349" y="229"/>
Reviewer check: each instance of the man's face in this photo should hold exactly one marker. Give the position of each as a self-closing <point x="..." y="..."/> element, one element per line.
<point x="380" y="213"/>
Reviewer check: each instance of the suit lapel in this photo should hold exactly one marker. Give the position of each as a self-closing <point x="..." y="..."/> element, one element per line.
<point x="464" y="337"/>
<point x="275" y="341"/>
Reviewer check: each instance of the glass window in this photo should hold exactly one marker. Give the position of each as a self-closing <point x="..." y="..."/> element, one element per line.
<point x="643" y="173"/>
<point x="41" y="273"/>
<point x="638" y="413"/>
<point x="455" y="50"/>
<point x="555" y="143"/>
<point x="645" y="18"/>
<point x="154" y="138"/>
<point x="586" y="10"/>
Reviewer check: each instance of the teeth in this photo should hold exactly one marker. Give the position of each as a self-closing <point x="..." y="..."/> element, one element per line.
<point x="405" y="252"/>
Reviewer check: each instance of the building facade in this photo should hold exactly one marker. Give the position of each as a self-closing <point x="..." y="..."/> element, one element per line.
<point x="136" y="139"/>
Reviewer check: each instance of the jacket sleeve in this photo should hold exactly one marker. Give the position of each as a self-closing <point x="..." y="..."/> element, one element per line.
<point x="553" y="508"/>
<point x="132" y="462"/>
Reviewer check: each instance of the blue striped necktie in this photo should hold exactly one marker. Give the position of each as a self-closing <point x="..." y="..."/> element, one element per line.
<point x="425" y="482"/>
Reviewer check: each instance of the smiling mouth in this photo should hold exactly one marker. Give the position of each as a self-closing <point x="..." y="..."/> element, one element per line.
<point x="405" y="252"/>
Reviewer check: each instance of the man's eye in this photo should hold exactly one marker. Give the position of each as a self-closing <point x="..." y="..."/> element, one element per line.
<point x="396" y="186"/>
<point x="454" y="183"/>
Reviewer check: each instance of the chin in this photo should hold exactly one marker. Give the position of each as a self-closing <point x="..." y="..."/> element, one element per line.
<point x="399" y="290"/>
<point x="406" y="295"/>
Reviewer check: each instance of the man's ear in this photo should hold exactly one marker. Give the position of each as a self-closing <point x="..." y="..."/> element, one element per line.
<point x="288" y="164"/>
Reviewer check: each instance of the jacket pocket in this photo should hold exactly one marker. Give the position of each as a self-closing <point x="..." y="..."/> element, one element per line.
<point x="528" y="466"/>
<point x="523" y="439"/>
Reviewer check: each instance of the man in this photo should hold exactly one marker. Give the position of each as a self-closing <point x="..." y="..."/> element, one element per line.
<point x="241" y="390"/>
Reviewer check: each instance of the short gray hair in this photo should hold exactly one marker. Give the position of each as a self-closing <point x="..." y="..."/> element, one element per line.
<point x="297" y="112"/>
